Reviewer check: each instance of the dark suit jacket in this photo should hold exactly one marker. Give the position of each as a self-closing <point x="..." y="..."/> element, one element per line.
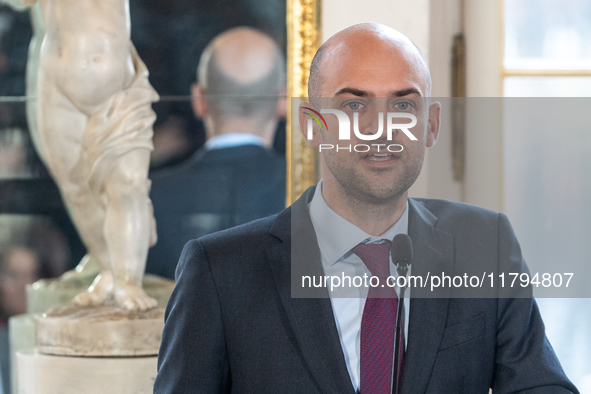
<point x="215" y="190"/>
<point x="233" y="326"/>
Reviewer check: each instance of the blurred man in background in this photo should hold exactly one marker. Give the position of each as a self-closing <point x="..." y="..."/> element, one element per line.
<point x="236" y="177"/>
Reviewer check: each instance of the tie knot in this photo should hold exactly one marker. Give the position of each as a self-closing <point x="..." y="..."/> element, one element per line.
<point x="376" y="257"/>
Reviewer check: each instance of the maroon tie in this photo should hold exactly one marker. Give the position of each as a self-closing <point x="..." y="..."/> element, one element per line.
<point x="378" y="323"/>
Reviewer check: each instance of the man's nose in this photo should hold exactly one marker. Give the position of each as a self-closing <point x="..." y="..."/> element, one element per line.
<point x="372" y="122"/>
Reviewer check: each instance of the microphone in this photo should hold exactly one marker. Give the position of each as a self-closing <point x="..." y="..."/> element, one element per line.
<point x="401" y="253"/>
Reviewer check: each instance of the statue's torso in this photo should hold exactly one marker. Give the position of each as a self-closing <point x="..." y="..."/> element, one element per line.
<point x="86" y="25"/>
<point x="86" y="49"/>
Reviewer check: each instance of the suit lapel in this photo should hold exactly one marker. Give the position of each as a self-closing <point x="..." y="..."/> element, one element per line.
<point x="312" y="319"/>
<point x="433" y="254"/>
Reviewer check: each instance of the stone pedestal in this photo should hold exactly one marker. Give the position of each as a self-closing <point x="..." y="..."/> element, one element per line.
<point x="36" y="373"/>
<point x="99" y="331"/>
<point x="22" y="337"/>
<point x="45" y="374"/>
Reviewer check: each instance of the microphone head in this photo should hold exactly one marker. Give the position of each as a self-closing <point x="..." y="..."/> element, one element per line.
<point x="401" y="250"/>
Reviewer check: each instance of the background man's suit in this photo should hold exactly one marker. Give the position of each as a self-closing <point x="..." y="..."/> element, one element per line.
<point x="215" y="190"/>
<point x="232" y="325"/>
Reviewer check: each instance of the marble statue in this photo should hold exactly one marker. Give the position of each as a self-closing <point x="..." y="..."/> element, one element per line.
<point x="94" y="133"/>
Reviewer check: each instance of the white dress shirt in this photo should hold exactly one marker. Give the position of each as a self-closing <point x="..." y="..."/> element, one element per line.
<point x="336" y="237"/>
<point x="231" y="140"/>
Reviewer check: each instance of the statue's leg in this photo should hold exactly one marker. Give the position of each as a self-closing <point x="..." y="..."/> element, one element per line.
<point x="61" y="126"/>
<point x="127" y="227"/>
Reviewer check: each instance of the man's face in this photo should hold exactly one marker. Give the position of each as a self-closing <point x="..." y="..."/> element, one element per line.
<point x="369" y="78"/>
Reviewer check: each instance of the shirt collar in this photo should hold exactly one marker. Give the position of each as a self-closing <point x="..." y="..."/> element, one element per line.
<point x="337" y="236"/>
<point x="231" y="140"/>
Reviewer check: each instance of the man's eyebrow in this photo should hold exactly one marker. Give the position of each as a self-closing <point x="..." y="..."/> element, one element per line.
<point x="353" y="91"/>
<point x="405" y="92"/>
<point x="364" y="93"/>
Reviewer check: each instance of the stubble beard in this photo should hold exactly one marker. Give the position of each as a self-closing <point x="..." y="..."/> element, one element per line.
<point x="361" y="192"/>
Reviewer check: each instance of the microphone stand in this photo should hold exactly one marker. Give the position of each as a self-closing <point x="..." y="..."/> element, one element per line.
<point x="402" y="269"/>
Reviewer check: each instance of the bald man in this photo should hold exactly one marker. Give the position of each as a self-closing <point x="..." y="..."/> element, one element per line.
<point x="242" y="320"/>
<point x="236" y="177"/>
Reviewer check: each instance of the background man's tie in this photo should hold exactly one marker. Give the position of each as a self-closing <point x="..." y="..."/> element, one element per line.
<point x="378" y="322"/>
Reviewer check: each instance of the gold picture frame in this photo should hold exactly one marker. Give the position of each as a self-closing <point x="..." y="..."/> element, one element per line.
<point x="303" y="39"/>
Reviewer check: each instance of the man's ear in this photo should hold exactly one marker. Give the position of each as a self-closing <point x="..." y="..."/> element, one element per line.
<point x="306" y="117"/>
<point x="434" y="123"/>
<point x="198" y="102"/>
